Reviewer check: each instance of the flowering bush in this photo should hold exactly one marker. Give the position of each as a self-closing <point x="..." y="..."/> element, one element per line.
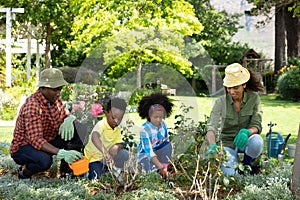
<point x="96" y="109"/>
<point x="86" y="102"/>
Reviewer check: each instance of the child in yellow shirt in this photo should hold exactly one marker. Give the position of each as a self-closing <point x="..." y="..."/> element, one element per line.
<point x="104" y="147"/>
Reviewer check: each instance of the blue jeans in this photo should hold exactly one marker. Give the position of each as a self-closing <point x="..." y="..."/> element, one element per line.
<point x="162" y="154"/>
<point x="98" y="168"/>
<point x="251" y="152"/>
<point x="38" y="161"/>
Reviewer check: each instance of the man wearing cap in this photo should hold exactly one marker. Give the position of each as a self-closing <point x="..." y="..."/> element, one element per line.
<point x="42" y="127"/>
<point x="236" y="118"/>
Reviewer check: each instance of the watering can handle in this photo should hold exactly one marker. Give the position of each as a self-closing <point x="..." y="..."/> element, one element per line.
<point x="285" y="143"/>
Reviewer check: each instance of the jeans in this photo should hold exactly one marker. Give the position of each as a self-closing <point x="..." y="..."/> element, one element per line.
<point x="163" y="154"/>
<point x="251" y="152"/>
<point x="98" y="168"/>
<point x="38" y="161"/>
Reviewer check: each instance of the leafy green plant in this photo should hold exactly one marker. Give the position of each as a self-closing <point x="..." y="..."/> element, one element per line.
<point x="4" y="148"/>
<point x="128" y="136"/>
<point x="8" y="110"/>
<point x="137" y="95"/>
<point x="289" y="82"/>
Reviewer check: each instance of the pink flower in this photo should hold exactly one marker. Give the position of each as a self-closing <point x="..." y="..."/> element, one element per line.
<point x="79" y="106"/>
<point x="96" y="109"/>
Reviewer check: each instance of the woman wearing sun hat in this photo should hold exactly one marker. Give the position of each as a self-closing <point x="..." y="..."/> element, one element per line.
<point x="236" y="118"/>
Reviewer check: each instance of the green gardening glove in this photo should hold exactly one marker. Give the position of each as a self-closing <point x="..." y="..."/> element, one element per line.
<point x="212" y="149"/>
<point x="241" y="139"/>
<point x="66" y="129"/>
<point x="69" y="155"/>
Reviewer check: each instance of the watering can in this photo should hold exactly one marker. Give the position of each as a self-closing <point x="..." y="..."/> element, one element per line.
<point x="275" y="142"/>
<point x="80" y="166"/>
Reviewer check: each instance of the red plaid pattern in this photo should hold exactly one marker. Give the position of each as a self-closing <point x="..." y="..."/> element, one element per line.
<point x="38" y="122"/>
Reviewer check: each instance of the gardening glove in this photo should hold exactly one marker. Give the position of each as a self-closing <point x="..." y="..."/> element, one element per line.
<point x="66" y="129"/>
<point x="69" y="155"/>
<point x="212" y="149"/>
<point x="241" y="139"/>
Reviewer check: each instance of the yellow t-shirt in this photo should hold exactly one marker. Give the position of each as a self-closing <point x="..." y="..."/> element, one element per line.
<point x="108" y="137"/>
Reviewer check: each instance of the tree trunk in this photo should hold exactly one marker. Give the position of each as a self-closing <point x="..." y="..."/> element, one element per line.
<point x="138" y="73"/>
<point x="292" y="25"/>
<point x="48" y="50"/>
<point x="296" y="168"/>
<point x="280" y="46"/>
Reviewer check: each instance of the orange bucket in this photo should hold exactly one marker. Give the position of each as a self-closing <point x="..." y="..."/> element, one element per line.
<point x="80" y="166"/>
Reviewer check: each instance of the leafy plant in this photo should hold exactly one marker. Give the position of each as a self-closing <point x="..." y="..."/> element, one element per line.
<point x="137" y="95"/>
<point x="128" y="136"/>
<point x="289" y="82"/>
<point x="86" y="102"/>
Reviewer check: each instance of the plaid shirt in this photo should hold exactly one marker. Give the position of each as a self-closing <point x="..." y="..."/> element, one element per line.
<point x="38" y="122"/>
<point x="151" y="138"/>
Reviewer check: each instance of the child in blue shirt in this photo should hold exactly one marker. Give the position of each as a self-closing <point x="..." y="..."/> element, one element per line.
<point x="154" y="148"/>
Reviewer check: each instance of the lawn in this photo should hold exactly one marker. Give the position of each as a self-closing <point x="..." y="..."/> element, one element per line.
<point x="286" y="114"/>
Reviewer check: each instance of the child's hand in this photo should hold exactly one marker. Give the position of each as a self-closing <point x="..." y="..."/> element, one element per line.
<point x="163" y="172"/>
<point x="109" y="160"/>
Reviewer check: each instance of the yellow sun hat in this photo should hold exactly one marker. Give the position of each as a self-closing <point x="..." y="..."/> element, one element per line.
<point x="235" y="74"/>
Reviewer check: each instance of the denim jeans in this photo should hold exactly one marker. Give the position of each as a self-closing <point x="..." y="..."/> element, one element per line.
<point x="38" y="161"/>
<point x="97" y="168"/>
<point x="251" y="152"/>
<point x="162" y="155"/>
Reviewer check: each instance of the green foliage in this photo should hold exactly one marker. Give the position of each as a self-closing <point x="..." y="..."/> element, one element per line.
<point x="274" y="183"/>
<point x="96" y="21"/>
<point x="8" y="110"/>
<point x="4" y="148"/>
<point x="289" y="82"/>
<point x="145" y="194"/>
<point x="294" y="61"/>
<point x="13" y="96"/>
<point x="188" y="146"/>
<point x="80" y="98"/>
<point x="128" y="136"/>
<point x="128" y="49"/>
<point x="216" y="38"/>
<point x="137" y="95"/>
<point x="296" y="9"/>
<point x="50" y="21"/>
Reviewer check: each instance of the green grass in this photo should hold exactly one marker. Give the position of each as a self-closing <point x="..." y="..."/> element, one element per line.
<point x="285" y="114"/>
<point x="6" y="133"/>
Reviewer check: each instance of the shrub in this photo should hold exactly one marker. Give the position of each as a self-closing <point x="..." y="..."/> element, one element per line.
<point x="137" y="95"/>
<point x="289" y="83"/>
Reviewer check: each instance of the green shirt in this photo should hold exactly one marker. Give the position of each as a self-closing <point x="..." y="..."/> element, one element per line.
<point x="226" y="122"/>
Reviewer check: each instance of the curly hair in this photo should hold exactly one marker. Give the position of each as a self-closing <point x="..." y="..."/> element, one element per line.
<point x="254" y="82"/>
<point x="156" y="98"/>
